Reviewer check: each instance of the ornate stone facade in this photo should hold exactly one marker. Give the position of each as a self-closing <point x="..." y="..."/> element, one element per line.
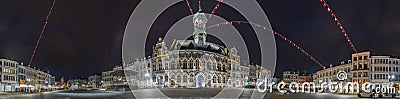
<point x="191" y="63"/>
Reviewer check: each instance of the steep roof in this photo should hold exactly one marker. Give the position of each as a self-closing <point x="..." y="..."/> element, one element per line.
<point x="189" y="44"/>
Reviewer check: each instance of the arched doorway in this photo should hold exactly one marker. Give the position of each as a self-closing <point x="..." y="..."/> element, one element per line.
<point x="200" y="80"/>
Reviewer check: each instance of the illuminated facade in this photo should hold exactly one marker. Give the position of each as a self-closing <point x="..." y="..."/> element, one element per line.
<point x="360" y="67"/>
<point x="385" y="69"/>
<point x="95" y="81"/>
<point x="8" y="75"/>
<point x="330" y="74"/>
<point x="305" y="78"/>
<point x="193" y="63"/>
<point x="290" y="76"/>
<point x="364" y="67"/>
<point x="114" y="77"/>
<point x="17" y="77"/>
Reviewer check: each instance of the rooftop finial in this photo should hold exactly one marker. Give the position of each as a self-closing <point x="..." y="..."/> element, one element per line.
<point x="200" y="6"/>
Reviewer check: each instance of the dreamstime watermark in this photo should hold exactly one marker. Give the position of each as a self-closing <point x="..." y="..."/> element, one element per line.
<point x="332" y="87"/>
<point x="341" y="75"/>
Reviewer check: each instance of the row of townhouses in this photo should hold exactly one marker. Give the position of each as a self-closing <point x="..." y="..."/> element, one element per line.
<point x="17" y="77"/>
<point x="295" y="76"/>
<point x="114" y="78"/>
<point x="111" y="79"/>
<point x="363" y="67"/>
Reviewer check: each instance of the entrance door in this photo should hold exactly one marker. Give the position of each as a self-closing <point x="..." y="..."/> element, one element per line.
<point x="200" y="80"/>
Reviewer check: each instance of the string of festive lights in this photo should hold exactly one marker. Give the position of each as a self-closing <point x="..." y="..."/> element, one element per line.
<point x="273" y="32"/>
<point x="339" y="24"/>
<point x="41" y="32"/>
<point x="190" y="8"/>
<point x="215" y="8"/>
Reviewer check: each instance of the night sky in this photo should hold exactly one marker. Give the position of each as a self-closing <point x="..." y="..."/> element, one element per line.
<point x="84" y="37"/>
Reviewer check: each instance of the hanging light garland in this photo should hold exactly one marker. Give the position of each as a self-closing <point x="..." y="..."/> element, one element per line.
<point x="41" y="32"/>
<point x="338" y="23"/>
<point x="273" y="32"/>
<point x="190" y="8"/>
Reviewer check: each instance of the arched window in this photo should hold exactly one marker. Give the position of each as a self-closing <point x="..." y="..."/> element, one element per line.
<point x="173" y="65"/>
<point x="216" y="66"/>
<point x="197" y="64"/>
<point x="181" y="62"/>
<point x="166" y="66"/>
<point x="184" y="64"/>
<point x="201" y="62"/>
<point x="219" y="78"/>
<point x="212" y="64"/>
<point x="219" y="66"/>
<point x="172" y="75"/>
<point x="223" y="67"/>
<point x="185" y="77"/>
<point x="179" y="78"/>
<point x="214" y="79"/>
<point x="191" y="78"/>
<point x="160" y="65"/>
<point x="190" y="64"/>
<point x="224" y="79"/>
<point x="166" y="77"/>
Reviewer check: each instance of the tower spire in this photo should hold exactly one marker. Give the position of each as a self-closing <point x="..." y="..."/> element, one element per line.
<point x="200" y="6"/>
<point x="199" y="21"/>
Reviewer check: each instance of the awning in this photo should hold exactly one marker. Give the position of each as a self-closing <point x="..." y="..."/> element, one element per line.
<point x="30" y="86"/>
<point x="23" y="86"/>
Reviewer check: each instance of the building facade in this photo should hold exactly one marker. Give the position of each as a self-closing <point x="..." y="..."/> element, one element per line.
<point x="95" y="81"/>
<point x="290" y="76"/>
<point x="17" y="77"/>
<point x="384" y="69"/>
<point x="193" y="63"/>
<point x="305" y="78"/>
<point x="330" y="74"/>
<point x="8" y="75"/>
<point x="114" y="77"/>
<point x="360" y="67"/>
<point x="77" y="83"/>
<point x="363" y="67"/>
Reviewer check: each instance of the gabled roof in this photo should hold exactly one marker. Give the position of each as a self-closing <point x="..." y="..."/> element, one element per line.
<point x="189" y="44"/>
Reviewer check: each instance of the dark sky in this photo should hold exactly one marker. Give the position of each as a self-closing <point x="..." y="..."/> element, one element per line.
<point x="84" y="37"/>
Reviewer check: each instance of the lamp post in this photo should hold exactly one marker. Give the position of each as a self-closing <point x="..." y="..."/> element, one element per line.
<point x="147" y="77"/>
<point x="391" y="78"/>
<point x="102" y="83"/>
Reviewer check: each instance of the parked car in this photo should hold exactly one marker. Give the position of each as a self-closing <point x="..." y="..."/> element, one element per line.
<point x="386" y="95"/>
<point x="179" y="86"/>
<point x="250" y="86"/>
<point x="364" y="94"/>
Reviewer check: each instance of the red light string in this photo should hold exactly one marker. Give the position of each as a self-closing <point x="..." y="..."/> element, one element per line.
<point x="190" y="8"/>
<point x="273" y="32"/>
<point x="41" y="32"/>
<point x="215" y="8"/>
<point x="339" y="24"/>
